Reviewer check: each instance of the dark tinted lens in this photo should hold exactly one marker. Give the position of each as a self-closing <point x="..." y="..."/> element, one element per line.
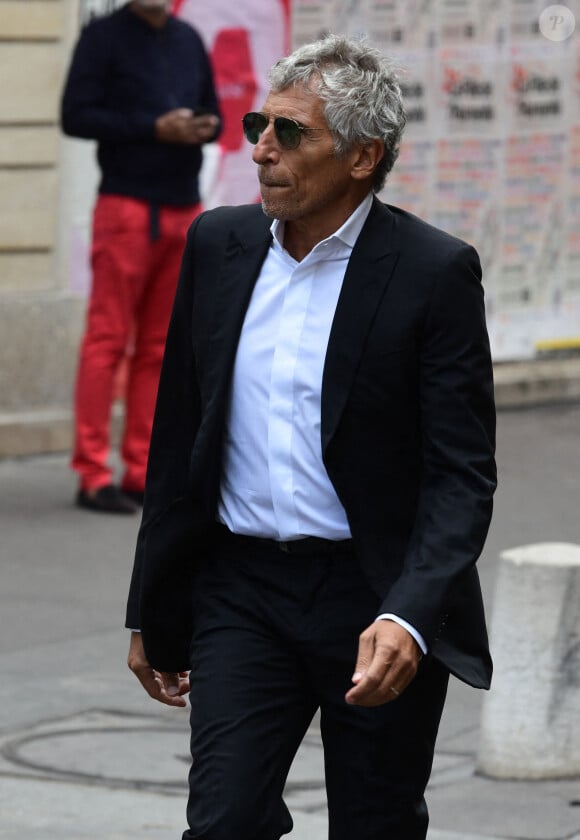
<point x="254" y="124"/>
<point x="288" y="132"/>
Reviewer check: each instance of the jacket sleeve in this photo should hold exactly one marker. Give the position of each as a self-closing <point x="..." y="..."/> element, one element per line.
<point x="458" y="443"/>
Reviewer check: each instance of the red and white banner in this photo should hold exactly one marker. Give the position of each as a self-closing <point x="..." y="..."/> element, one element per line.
<point x="244" y="40"/>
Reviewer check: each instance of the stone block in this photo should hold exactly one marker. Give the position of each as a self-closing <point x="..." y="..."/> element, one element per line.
<point x="28" y="200"/>
<point x="51" y="430"/>
<point x="32" y="20"/>
<point x="22" y="145"/>
<point x="530" y="719"/>
<point x="40" y="337"/>
<point x="535" y="382"/>
<point x="26" y="272"/>
<point x="31" y="77"/>
<point x="28" y="433"/>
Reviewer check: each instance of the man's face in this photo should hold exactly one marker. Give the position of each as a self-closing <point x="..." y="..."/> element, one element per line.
<point x="308" y="183"/>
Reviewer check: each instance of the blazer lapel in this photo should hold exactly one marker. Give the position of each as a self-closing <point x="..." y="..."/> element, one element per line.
<point x="246" y="250"/>
<point x="367" y="276"/>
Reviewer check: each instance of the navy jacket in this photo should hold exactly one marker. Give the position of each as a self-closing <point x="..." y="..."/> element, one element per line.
<point x="124" y="74"/>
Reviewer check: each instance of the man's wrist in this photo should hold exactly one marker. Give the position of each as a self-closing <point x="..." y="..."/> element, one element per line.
<point x="408" y="627"/>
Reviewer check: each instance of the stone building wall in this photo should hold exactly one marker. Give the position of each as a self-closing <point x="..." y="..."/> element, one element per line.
<point x="40" y="317"/>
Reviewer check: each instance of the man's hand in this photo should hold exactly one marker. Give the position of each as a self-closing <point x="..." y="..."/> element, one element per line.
<point x="162" y="686"/>
<point x="387" y="661"/>
<point x="182" y="126"/>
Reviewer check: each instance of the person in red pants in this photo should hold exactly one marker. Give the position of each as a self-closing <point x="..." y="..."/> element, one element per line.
<point x="141" y="84"/>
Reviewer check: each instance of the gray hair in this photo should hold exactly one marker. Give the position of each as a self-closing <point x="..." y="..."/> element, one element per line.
<point x="360" y="91"/>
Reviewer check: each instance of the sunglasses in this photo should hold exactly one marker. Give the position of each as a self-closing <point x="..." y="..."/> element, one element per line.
<point x="288" y="132"/>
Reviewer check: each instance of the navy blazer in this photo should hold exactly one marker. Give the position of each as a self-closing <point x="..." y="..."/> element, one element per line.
<point x="408" y="428"/>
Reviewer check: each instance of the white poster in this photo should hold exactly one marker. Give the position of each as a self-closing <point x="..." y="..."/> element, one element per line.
<point x="491" y="152"/>
<point x="410" y="184"/>
<point x="462" y="22"/>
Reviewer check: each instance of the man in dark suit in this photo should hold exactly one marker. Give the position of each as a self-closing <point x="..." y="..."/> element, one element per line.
<point x="321" y="473"/>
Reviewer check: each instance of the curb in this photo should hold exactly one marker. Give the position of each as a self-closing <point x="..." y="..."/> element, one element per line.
<point x="517" y="385"/>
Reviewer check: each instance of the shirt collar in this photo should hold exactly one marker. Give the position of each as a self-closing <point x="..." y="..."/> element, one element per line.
<point x="348" y="233"/>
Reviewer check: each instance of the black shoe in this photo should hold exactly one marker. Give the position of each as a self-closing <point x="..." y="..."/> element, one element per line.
<point x="107" y="499"/>
<point x="136" y="496"/>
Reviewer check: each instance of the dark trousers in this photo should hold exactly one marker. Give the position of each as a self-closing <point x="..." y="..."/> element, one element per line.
<point x="276" y="639"/>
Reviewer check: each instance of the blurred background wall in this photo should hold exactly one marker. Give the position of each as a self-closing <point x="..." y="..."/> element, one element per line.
<point x="491" y="153"/>
<point x="39" y="317"/>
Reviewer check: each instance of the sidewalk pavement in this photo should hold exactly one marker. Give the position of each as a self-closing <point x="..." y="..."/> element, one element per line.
<point x="84" y="753"/>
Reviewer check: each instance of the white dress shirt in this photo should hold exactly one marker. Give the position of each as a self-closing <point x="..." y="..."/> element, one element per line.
<point x="274" y="483"/>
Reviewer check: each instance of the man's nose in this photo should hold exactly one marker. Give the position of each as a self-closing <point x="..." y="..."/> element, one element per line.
<point x="267" y="145"/>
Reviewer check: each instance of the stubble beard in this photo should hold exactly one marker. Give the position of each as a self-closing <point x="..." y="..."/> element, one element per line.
<point x="268" y="211"/>
<point x="280" y="210"/>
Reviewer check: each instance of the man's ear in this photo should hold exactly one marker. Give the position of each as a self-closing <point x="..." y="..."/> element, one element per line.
<point x="367" y="159"/>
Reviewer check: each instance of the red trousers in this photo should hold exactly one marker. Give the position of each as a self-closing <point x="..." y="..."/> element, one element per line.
<point x="136" y="254"/>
